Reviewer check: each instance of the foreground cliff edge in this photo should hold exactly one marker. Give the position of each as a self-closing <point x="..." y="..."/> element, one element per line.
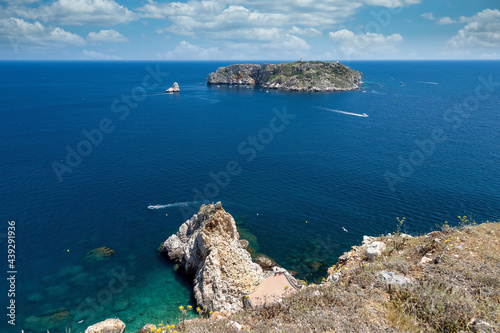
<point x="444" y="281"/>
<point x="295" y="76"/>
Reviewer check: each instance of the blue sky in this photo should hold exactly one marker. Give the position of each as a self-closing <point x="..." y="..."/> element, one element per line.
<point x="249" y="29"/>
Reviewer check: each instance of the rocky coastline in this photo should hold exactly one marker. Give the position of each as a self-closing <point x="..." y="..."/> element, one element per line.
<point x="392" y="283"/>
<point x="312" y="76"/>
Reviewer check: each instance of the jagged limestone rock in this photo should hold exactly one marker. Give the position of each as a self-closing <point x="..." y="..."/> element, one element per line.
<point x="208" y="247"/>
<point x="107" y="326"/>
<point x="174" y="88"/>
<point x="295" y="76"/>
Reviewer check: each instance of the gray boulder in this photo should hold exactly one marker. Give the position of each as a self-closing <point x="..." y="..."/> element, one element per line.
<point x="393" y="278"/>
<point x="375" y="249"/>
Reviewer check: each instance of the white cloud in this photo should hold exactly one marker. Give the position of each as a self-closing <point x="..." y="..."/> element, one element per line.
<point x="446" y="20"/>
<point x="203" y="18"/>
<point x="365" y="45"/>
<point x="110" y="36"/>
<point x="392" y="3"/>
<point x="187" y="51"/>
<point x="304" y="31"/>
<point x="24" y="33"/>
<point x="428" y="16"/>
<point x="78" y="12"/>
<point x="482" y="31"/>
<point x="99" y="55"/>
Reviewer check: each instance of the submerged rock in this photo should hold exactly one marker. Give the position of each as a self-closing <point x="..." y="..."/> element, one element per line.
<point x="208" y="247"/>
<point x="120" y="304"/>
<point x="107" y="326"/>
<point x="99" y="255"/>
<point x="35" y="297"/>
<point x="174" y="88"/>
<point x="52" y="320"/>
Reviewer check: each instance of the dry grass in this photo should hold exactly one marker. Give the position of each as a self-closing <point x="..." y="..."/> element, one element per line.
<point x="459" y="284"/>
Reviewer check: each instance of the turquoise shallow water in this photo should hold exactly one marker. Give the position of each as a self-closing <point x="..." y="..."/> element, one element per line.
<point x="330" y="169"/>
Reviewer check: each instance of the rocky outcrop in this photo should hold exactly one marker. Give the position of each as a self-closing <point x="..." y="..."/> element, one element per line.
<point x="173" y="89"/>
<point x="295" y="76"/>
<point x="375" y="249"/>
<point x="107" y="326"/>
<point x="208" y="247"/>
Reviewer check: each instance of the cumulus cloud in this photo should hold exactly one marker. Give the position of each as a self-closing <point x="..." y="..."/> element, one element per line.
<point x="446" y="20"/>
<point x="482" y="31"/>
<point x="428" y="16"/>
<point x="78" y="12"/>
<point x="360" y="45"/>
<point x="187" y="51"/>
<point x="109" y="36"/>
<point x="20" y="32"/>
<point x="99" y="56"/>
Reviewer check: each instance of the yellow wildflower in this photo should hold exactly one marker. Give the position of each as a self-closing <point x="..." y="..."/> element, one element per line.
<point x="190" y="307"/>
<point x="181" y="307"/>
<point x="158" y="330"/>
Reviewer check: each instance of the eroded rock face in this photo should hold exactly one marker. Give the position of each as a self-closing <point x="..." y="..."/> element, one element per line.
<point x="208" y="246"/>
<point x="107" y="326"/>
<point x="235" y="74"/>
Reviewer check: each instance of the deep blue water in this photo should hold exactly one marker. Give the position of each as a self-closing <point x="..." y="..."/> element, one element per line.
<point x="330" y="169"/>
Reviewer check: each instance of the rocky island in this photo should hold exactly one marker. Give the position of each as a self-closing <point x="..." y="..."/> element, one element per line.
<point x="295" y="76"/>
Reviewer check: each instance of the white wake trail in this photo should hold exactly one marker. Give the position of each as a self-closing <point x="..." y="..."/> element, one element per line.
<point x="177" y="204"/>
<point x="427" y="82"/>
<point x="344" y="112"/>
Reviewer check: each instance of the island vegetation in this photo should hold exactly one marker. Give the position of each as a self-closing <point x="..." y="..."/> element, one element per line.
<point x="294" y="76"/>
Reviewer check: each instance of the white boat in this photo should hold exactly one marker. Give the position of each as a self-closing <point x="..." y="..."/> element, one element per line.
<point x="365" y="115"/>
<point x="154" y="207"/>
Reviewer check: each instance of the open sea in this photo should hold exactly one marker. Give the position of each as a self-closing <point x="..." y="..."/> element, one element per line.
<point x="87" y="146"/>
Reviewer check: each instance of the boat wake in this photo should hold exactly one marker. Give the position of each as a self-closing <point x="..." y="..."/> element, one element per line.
<point x="427" y="82"/>
<point x="177" y="204"/>
<point x="345" y="112"/>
